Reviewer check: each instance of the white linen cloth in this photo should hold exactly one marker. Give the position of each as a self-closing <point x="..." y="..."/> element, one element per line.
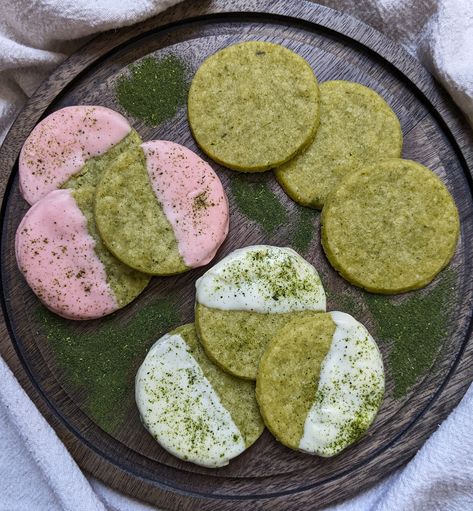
<point x="36" y="471"/>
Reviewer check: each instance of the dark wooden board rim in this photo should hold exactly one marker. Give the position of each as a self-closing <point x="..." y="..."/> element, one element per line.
<point x="117" y="473"/>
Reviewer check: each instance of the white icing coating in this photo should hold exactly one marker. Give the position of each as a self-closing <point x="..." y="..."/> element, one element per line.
<point x="350" y="390"/>
<point x="180" y="408"/>
<point x="264" y="279"/>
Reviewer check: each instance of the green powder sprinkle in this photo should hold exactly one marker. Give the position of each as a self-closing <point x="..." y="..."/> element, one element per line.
<point x="154" y="89"/>
<point x="102" y="361"/>
<point x="344" y="302"/>
<point x="256" y="201"/>
<point x="417" y="326"/>
<point x="305" y="229"/>
<point x="285" y="278"/>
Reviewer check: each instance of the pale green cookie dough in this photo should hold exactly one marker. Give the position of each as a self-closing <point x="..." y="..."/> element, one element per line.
<point x="288" y="375"/>
<point x="126" y="283"/>
<point x="356" y="127"/>
<point x="253" y="106"/>
<point x="390" y="227"/>
<point x="131" y="221"/>
<point x="236" y="340"/>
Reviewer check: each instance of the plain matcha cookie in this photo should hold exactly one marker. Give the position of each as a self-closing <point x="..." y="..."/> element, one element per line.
<point x="320" y="383"/>
<point x="192" y="408"/>
<point x="390" y="227"/>
<point x="356" y="126"/>
<point x="252" y="106"/>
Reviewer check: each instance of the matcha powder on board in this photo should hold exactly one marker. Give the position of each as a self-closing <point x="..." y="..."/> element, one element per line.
<point x="102" y="358"/>
<point x="258" y="203"/>
<point x="305" y="229"/>
<point x="154" y="89"/>
<point x="418" y="326"/>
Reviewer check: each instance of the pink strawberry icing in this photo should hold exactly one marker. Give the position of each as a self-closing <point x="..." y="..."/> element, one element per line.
<point x="55" y="253"/>
<point x="192" y="198"/>
<point x="60" y="144"/>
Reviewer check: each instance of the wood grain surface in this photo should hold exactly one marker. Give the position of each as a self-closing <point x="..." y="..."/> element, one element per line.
<point x="267" y="476"/>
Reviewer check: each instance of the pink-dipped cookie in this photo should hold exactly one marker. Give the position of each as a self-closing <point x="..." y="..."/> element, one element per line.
<point x="60" y="146"/>
<point x="65" y="264"/>
<point x="162" y="211"/>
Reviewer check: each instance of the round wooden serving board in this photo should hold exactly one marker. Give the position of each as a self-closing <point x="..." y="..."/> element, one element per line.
<point x="267" y="476"/>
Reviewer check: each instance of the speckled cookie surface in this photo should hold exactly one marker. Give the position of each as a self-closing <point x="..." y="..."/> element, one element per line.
<point x="161" y="209"/>
<point x="288" y="375"/>
<point x="59" y="254"/>
<point x="243" y="300"/>
<point x="191" y="407"/>
<point x="253" y="106"/>
<point x="356" y="126"/>
<point x="236" y="340"/>
<point x="391" y="227"/>
<point x="320" y="383"/>
<point x="63" y="145"/>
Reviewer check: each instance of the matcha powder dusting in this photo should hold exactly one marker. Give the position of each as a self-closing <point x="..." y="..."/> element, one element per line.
<point x="258" y="203"/>
<point x="154" y="89"/>
<point x="101" y="360"/>
<point x="418" y="326"/>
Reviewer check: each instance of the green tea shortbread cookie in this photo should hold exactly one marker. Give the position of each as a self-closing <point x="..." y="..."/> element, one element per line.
<point x="253" y="106"/>
<point x="193" y="409"/>
<point x="247" y="297"/>
<point x="390" y="227"/>
<point x="320" y="383"/>
<point x="161" y="209"/>
<point x="64" y="262"/>
<point x="356" y="126"/>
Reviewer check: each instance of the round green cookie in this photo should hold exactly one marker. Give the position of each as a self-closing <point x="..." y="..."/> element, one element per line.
<point x="131" y="221"/>
<point x="356" y="126"/>
<point x="390" y="227"/>
<point x="192" y="408"/>
<point x="244" y="300"/>
<point x="253" y="106"/>
<point x="320" y="383"/>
